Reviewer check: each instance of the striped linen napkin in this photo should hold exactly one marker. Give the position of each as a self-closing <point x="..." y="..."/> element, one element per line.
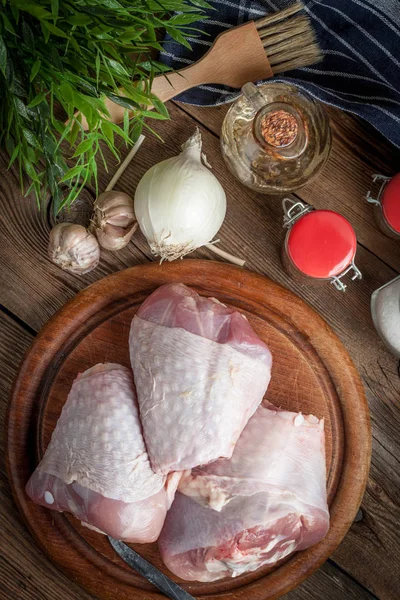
<point x="360" y="71"/>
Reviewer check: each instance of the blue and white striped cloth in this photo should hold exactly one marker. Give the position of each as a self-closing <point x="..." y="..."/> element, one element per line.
<point x="360" y="40"/>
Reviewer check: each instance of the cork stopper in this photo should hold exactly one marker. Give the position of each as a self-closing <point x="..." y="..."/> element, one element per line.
<point x="279" y="128"/>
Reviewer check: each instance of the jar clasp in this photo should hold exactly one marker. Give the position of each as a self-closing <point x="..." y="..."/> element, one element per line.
<point x="337" y="280"/>
<point x="383" y="179"/>
<point x="293" y="211"/>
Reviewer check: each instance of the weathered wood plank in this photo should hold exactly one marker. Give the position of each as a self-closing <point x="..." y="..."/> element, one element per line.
<point x="33" y="288"/>
<point x="329" y="583"/>
<point x="25" y="573"/>
<point x="358" y="151"/>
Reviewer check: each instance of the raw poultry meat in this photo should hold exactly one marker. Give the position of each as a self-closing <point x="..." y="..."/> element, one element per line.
<point x="269" y="499"/>
<point x="96" y="465"/>
<point x="200" y="373"/>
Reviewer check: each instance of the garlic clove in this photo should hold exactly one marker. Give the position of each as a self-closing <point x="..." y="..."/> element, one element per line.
<point x="73" y="248"/>
<point x="114" y="238"/>
<point x="113" y="220"/>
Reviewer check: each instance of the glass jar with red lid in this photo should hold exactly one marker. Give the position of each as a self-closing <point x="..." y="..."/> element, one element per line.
<point x="320" y="245"/>
<point x="387" y="204"/>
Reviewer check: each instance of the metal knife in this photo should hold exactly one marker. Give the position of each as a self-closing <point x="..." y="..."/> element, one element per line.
<point x="151" y="573"/>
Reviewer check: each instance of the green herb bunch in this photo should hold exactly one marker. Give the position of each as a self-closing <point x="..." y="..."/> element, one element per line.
<point x="71" y="54"/>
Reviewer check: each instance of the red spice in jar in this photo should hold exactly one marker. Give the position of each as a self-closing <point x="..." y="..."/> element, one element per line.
<point x="279" y="128"/>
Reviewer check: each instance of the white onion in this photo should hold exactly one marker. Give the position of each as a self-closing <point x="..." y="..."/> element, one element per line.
<point x="179" y="204"/>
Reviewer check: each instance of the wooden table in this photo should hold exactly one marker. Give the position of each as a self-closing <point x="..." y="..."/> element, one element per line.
<point x="367" y="563"/>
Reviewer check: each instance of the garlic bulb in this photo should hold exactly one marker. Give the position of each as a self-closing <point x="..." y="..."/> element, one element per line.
<point x="179" y="204"/>
<point x="113" y="220"/>
<point x="73" y="248"/>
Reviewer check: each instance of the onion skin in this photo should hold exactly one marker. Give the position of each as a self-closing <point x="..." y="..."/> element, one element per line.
<point x="73" y="248"/>
<point x="113" y="220"/>
<point x="179" y="203"/>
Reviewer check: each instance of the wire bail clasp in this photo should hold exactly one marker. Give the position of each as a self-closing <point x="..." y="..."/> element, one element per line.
<point x="292" y="211"/>
<point x="383" y="179"/>
<point x="337" y="280"/>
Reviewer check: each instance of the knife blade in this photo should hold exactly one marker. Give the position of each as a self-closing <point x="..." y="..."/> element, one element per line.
<point x="150" y="572"/>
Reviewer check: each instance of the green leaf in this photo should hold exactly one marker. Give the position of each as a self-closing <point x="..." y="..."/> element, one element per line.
<point x="136" y="130"/>
<point x="54" y="8"/>
<point x="183" y="19"/>
<point x="35" y="69"/>
<point x="49" y="145"/>
<point x="14" y="155"/>
<point x="75" y="129"/>
<point x="98" y="66"/>
<point x="202" y="4"/>
<point x="21" y="108"/>
<point x="152" y="114"/>
<point x="126" y="122"/>
<point x="72" y="173"/>
<point x="30" y="171"/>
<point x="15" y="13"/>
<point x="178" y="36"/>
<point x="37" y="100"/>
<point x="55" y="30"/>
<point x="124" y="102"/>
<point x="45" y="31"/>
<point x="154" y="65"/>
<point x="30" y="137"/>
<point x="66" y="92"/>
<point x="33" y="9"/>
<point x="7" y="24"/>
<point x="118" y="68"/>
<point x="159" y="106"/>
<point x="27" y="36"/>
<point x="93" y="166"/>
<point x="79" y="19"/>
<point x="10" y="146"/>
<point x="3" y="56"/>
<point x="108" y="131"/>
<point x="56" y="60"/>
<point x="83" y="147"/>
<point x="10" y="73"/>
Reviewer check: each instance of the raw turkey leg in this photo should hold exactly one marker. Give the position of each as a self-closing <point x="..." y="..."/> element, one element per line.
<point x="269" y="499"/>
<point x="200" y="373"/>
<point x="96" y="465"/>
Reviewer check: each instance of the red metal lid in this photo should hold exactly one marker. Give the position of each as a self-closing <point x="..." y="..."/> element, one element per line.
<point x="391" y="202"/>
<point x="322" y="244"/>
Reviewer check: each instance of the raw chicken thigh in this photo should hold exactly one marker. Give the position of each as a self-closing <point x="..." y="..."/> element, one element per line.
<point x="96" y="465"/>
<point x="238" y="514"/>
<point x="200" y="373"/>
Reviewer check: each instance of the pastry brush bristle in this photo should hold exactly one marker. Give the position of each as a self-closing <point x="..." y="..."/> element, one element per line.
<point x="289" y="41"/>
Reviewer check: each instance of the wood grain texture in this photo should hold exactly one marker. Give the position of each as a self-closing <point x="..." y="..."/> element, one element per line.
<point x="312" y="372"/>
<point x="33" y="289"/>
<point x="25" y="572"/>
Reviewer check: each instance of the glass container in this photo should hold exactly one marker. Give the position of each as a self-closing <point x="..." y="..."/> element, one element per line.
<point x="387" y="204"/>
<point x="385" y="310"/>
<point x="320" y="245"/>
<point x="275" y="138"/>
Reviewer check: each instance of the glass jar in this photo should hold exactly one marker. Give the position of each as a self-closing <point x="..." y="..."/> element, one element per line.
<point x="387" y="204"/>
<point x="275" y="138"/>
<point x="385" y="310"/>
<point x="320" y="245"/>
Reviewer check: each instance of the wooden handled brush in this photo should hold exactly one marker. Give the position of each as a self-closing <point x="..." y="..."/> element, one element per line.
<point x="257" y="50"/>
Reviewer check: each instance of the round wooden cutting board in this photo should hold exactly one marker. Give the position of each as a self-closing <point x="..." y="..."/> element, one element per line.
<point x="312" y="373"/>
